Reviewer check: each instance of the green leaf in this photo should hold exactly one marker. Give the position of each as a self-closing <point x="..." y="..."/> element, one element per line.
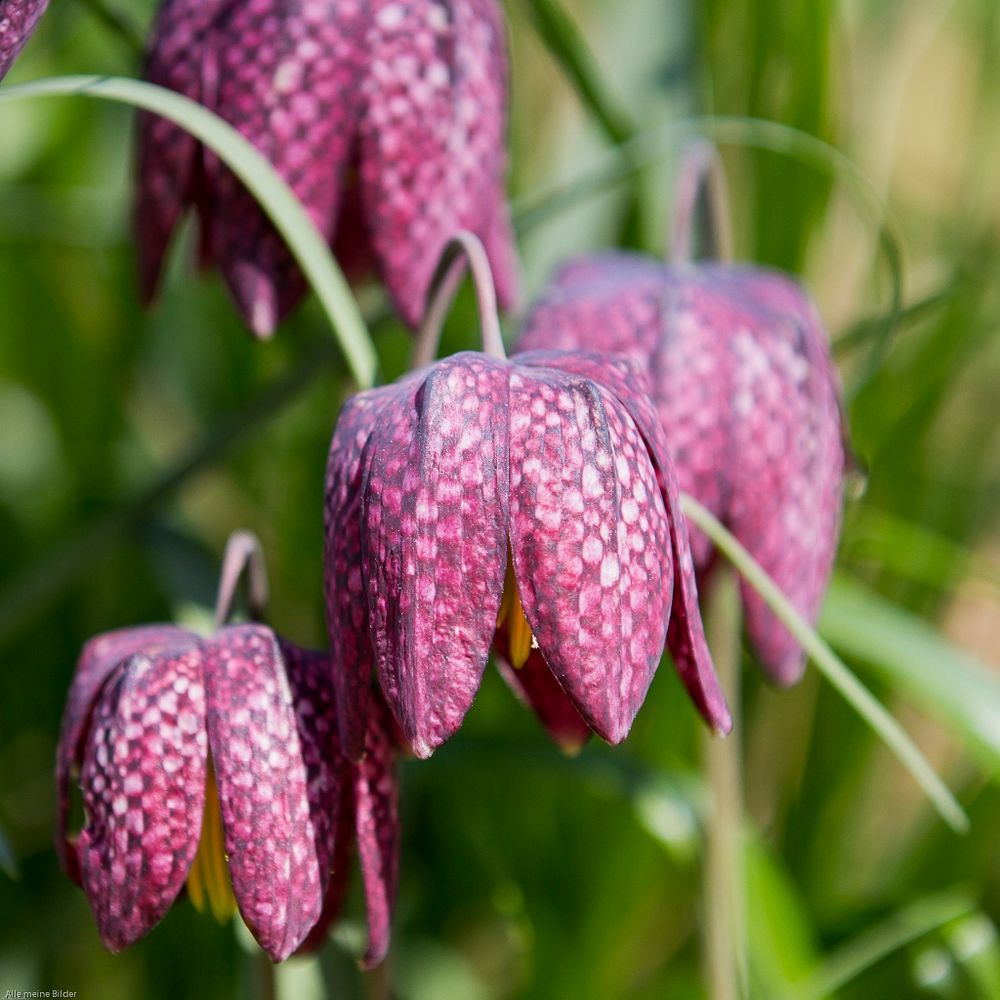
<point x="832" y="667"/>
<point x="948" y="683"/>
<point x="262" y="181"/>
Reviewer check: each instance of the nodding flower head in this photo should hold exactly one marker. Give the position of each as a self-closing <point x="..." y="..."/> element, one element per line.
<point x="215" y="765"/>
<point x="386" y="118"/>
<point x="747" y="397"/>
<point x="17" y="21"/>
<point x="529" y="505"/>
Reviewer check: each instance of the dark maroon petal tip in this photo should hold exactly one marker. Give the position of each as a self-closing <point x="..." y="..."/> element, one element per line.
<point x="535" y="686"/>
<point x="377" y="827"/>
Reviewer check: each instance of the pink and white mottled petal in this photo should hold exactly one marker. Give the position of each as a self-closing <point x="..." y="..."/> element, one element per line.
<point x="328" y="774"/>
<point x="270" y="832"/>
<point x="288" y="80"/>
<point x="377" y="827"/>
<point x="143" y="786"/>
<point x="535" y="686"/>
<point x="340" y="873"/>
<point x="590" y="543"/>
<point x="607" y="302"/>
<point x="432" y="139"/>
<point x="98" y="660"/>
<point x="17" y="21"/>
<point x="168" y="166"/>
<point x="788" y="476"/>
<point x="685" y="635"/>
<point x="435" y="543"/>
<point x="351" y="653"/>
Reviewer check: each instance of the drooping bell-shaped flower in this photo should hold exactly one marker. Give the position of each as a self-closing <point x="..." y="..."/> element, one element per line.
<point x="386" y="118"/>
<point x="748" y="397"/>
<point x="528" y="504"/>
<point x="17" y="21"/>
<point x="215" y="765"/>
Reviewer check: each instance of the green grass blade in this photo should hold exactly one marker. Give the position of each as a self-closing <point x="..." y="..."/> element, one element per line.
<point x="568" y="46"/>
<point x="944" y="680"/>
<point x="831" y="666"/>
<point x="262" y="181"/>
<point x="880" y="941"/>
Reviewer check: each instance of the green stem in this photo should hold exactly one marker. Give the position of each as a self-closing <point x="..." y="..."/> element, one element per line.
<point x="832" y="667"/>
<point x="725" y="940"/>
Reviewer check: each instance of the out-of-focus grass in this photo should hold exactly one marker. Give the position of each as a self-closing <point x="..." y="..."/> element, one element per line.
<point x="525" y="875"/>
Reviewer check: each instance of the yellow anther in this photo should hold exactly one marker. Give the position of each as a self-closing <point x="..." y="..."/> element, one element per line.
<point x="208" y="881"/>
<point x="520" y="641"/>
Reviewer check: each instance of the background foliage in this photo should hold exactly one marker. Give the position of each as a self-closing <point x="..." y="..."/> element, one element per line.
<point x="132" y="443"/>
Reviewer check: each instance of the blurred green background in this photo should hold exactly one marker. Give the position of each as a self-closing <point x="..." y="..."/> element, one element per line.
<point x="131" y="444"/>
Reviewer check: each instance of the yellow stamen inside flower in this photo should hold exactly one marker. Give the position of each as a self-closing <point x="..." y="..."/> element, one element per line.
<point x="520" y="640"/>
<point x="208" y="881"/>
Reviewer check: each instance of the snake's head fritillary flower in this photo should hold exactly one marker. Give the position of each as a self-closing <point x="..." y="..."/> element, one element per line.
<point x="215" y="765"/>
<point x="526" y="505"/>
<point x="17" y="21"/>
<point x="747" y="396"/>
<point x="386" y="118"/>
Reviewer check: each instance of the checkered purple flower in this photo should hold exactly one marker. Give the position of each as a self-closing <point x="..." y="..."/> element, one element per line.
<point x="526" y="505"/>
<point x="386" y="118"/>
<point x="215" y="764"/>
<point x="17" y="21"/>
<point x="747" y="397"/>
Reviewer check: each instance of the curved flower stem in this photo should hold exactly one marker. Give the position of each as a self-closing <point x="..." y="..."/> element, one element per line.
<point x="463" y="249"/>
<point x="725" y="937"/>
<point x="244" y="555"/>
<point x="701" y="181"/>
<point x="831" y="666"/>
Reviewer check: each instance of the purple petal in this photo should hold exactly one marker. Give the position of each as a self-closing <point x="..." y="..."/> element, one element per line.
<point x="288" y="78"/>
<point x="432" y="140"/>
<point x="169" y="163"/>
<point x="536" y="686"/>
<point x="346" y="600"/>
<point x="17" y="21"/>
<point x="144" y="788"/>
<point x="377" y="825"/>
<point x="340" y="871"/>
<point x="590" y="542"/>
<point x="277" y="855"/>
<point x="98" y="659"/>
<point x="328" y="782"/>
<point x="788" y="476"/>
<point x="747" y="396"/>
<point x="685" y="635"/>
<point x="435" y="542"/>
